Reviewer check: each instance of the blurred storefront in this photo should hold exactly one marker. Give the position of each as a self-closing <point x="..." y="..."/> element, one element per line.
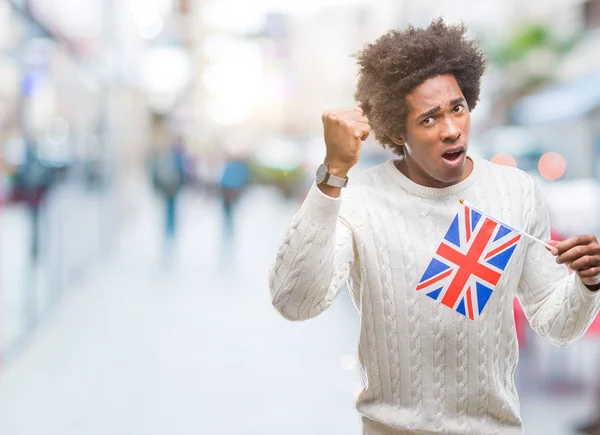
<point x="72" y="127"/>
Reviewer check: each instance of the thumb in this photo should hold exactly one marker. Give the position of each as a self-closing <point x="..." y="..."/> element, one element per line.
<point x="553" y="243"/>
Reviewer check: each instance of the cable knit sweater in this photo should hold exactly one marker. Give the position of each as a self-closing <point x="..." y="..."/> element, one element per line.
<point x="426" y="368"/>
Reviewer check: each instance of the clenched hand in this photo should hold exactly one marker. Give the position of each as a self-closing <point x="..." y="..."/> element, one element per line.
<point x="582" y="254"/>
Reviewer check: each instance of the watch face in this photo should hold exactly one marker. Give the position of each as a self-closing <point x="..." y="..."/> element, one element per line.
<point x="321" y="173"/>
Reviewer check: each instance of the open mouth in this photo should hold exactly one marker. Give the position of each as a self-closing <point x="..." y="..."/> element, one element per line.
<point x="453" y="156"/>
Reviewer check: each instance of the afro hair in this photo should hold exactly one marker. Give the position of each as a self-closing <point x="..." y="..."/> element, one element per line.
<point x="399" y="61"/>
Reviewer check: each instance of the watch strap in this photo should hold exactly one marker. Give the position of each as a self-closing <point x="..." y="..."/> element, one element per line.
<point x="335" y="181"/>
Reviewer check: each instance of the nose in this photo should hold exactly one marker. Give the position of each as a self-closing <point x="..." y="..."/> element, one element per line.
<point x="450" y="131"/>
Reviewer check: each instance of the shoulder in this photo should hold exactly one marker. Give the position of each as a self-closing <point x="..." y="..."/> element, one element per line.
<point x="511" y="177"/>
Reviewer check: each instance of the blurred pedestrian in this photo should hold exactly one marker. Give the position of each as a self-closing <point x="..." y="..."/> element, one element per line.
<point x="33" y="180"/>
<point x="433" y="278"/>
<point x="234" y="181"/>
<point x="168" y="177"/>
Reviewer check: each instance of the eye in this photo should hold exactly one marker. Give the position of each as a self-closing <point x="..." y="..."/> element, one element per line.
<point x="428" y="121"/>
<point x="459" y="108"/>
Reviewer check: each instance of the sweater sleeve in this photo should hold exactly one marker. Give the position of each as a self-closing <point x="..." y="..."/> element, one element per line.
<point x="558" y="306"/>
<point x="314" y="259"/>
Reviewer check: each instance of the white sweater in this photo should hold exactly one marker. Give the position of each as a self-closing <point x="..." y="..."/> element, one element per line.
<point x="427" y="368"/>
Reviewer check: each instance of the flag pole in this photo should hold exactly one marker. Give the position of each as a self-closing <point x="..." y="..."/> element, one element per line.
<point x="550" y="247"/>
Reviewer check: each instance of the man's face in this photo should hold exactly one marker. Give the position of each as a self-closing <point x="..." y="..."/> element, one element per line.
<point x="437" y="132"/>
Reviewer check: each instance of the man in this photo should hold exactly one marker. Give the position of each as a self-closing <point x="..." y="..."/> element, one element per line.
<point x="235" y="179"/>
<point x="167" y="165"/>
<point x="435" y="360"/>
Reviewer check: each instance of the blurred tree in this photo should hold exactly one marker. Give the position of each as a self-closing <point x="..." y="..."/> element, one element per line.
<point x="528" y="39"/>
<point x="524" y="62"/>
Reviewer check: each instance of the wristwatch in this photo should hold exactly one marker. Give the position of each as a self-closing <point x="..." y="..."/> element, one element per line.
<point x="326" y="177"/>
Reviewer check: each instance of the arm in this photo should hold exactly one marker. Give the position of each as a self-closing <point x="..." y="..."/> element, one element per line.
<point x="313" y="261"/>
<point x="558" y="306"/>
<point x="316" y="255"/>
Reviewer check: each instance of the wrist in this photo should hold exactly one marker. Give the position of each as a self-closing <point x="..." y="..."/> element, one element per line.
<point x="337" y="168"/>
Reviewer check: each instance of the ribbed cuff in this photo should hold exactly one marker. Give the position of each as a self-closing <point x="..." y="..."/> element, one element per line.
<point x="318" y="207"/>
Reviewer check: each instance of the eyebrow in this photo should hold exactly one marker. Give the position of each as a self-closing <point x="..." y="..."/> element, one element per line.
<point x="436" y="109"/>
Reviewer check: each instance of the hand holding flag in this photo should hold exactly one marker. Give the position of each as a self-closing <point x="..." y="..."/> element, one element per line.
<point x="582" y="254"/>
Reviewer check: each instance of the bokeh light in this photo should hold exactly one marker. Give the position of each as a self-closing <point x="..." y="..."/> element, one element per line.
<point x="348" y="362"/>
<point x="552" y="166"/>
<point x="504" y="159"/>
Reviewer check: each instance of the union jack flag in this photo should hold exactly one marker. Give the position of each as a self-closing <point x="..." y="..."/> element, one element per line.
<point x="469" y="262"/>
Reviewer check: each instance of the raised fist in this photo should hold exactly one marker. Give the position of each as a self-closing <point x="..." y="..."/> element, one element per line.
<point x="344" y="131"/>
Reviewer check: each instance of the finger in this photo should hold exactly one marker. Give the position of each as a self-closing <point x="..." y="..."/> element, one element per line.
<point x="365" y="129"/>
<point x="552" y="243"/>
<point x="344" y="114"/>
<point x="589" y="273"/>
<point x="355" y="116"/>
<point x="358" y="109"/>
<point x="586" y="262"/>
<point x="571" y="242"/>
<point x="574" y="253"/>
<point x="328" y="115"/>
<point x="593" y="249"/>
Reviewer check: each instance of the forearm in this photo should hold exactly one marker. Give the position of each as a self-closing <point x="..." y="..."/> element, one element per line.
<point x="312" y="262"/>
<point x="565" y="313"/>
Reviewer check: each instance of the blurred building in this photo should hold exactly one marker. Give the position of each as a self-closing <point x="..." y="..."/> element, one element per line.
<point x="78" y="84"/>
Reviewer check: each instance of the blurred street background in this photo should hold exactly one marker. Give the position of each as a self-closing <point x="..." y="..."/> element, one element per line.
<point x="152" y="153"/>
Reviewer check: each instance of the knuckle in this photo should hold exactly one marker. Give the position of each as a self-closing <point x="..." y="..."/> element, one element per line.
<point x="580" y="251"/>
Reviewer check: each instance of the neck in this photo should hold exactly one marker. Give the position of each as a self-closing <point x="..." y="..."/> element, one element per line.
<point x="413" y="173"/>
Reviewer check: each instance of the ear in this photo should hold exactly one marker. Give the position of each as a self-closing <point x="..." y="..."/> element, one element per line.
<point x="398" y="141"/>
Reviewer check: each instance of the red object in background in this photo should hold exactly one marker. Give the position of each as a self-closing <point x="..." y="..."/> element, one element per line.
<point x="595" y="328"/>
<point x="520" y="324"/>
